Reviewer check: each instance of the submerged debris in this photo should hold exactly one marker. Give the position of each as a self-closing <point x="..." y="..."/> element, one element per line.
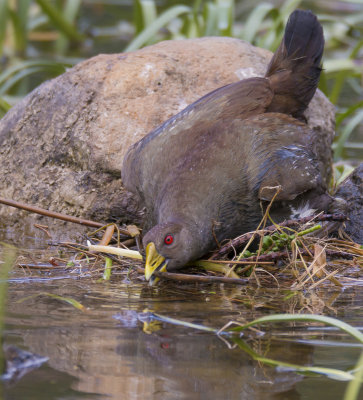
<point x="19" y="362"/>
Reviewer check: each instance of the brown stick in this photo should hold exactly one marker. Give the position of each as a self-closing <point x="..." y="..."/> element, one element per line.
<point x="51" y="214"/>
<point x="199" y="278"/>
<point x="240" y="240"/>
<point x="242" y="261"/>
<point x="107" y="236"/>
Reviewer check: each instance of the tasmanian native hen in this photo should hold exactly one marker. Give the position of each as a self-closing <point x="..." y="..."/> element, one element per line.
<point x="203" y="173"/>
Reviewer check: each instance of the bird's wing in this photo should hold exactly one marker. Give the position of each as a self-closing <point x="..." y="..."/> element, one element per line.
<point x="152" y="156"/>
<point x="294" y="170"/>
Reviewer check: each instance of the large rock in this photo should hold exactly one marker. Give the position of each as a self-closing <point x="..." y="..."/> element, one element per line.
<point x="62" y="146"/>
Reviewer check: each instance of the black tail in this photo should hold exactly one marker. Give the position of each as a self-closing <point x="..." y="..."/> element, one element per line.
<point x="295" y="68"/>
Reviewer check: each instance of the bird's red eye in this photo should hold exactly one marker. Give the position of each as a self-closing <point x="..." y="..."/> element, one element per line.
<point x="168" y="239"/>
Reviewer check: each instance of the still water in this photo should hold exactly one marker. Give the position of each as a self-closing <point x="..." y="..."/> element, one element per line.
<point x="109" y="352"/>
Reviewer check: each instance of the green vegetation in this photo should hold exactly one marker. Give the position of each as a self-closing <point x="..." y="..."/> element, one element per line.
<point x="40" y="38"/>
<point x="8" y="255"/>
<point x="229" y="331"/>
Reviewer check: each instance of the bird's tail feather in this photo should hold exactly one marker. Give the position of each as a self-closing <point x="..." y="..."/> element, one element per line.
<point x="295" y="68"/>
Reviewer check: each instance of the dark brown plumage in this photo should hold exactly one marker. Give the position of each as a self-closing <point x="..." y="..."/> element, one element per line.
<point x="202" y="174"/>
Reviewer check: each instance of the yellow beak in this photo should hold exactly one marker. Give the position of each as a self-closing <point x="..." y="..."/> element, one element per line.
<point x="154" y="261"/>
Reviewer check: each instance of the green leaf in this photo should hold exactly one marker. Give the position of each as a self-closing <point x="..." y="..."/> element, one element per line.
<point x="108" y="268"/>
<point x="9" y="256"/>
<point x="70" y="12"/>
<point x="225" y="17"/>
<point x="3" y="22"/>
<point x="329" y="372"/>
<point x="305" y="318"/>
<point x="340" y="173"/>
<point x="337" y="65"/>
<point x="174" y="321"/>
<point x="149" y="13"/>
<point x="52" y="65"/>
<point x="354" y="385"/>
<point x="76" y="304"/>
<point x="4" y="107"/>
<point x="210" y="19"/>
<point x="12" y="76"/>
<point x="346" y="132"/>
<point x="19" y="19"/>
<point x="149" y="32"/>
<point x="254" y="21"/>
<point x="144" y="14"/>
<point x="59" y="20"/>
<point x="284" y="366"/>
<point x="342" y="116"/>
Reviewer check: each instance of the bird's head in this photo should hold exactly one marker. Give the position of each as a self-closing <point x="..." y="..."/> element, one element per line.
<point x="168" y="246"/>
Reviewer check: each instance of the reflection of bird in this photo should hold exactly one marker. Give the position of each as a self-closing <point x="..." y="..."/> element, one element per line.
<point x="202" y="174"/>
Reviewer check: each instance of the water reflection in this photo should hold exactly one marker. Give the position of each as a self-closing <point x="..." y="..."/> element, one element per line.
<point x="105" y="351"/>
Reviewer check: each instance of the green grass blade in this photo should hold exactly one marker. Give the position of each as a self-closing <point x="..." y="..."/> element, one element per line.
<point x="210" y="19"/>
<point x="149" y="32"/>
<point x="346" y="132"/>
<point x="19" y="19"/>
<point x="340" y="173"/>
<point x="108" y="268"/>
<point x="305" y="318"/>
<point x="353" y="388"/>
<point x="174" y="321"/>
<point x="274" y="33"/>
<point x="225" y="17"/>
<point x="20" y="75"/>
<point x="342" y="116"/>
<point x="339" y="65"/>
<point x="145" y="14"/>
<point x="190" y="29"/>
<point x="76" y="304"/>
<point x="149" y="13"/>
<point x="356" y="49"/>
<point x="331" y="373"/>
<point x="349" y="329"/>
<point x="71" y="10"/>
<point x="254" y="21"/>
<point x="59" y="21"/>
<point x="3" y="22"/>
<point x="288" y="7"/>
<point x="9" y="255"/>
<point x="45" y="64"/>
<point x="4" y="107"/>
<point x="138" y="20"/>
<point x="197" y="18"/>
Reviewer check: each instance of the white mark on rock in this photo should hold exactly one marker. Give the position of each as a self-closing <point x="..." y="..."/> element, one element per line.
<point x="249" y="72"/>
<point x="146" y="70"/>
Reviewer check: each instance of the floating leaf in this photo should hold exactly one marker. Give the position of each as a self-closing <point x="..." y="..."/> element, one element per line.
<point x="68" y="300"/>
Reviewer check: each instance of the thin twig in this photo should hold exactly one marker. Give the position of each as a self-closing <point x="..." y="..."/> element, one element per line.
<point x="52" y="214"/>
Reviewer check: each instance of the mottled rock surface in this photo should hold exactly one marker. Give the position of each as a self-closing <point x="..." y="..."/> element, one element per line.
<point x="62" y="146"/>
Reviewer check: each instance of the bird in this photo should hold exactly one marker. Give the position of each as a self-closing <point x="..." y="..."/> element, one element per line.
<point x="204" y="173"/>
